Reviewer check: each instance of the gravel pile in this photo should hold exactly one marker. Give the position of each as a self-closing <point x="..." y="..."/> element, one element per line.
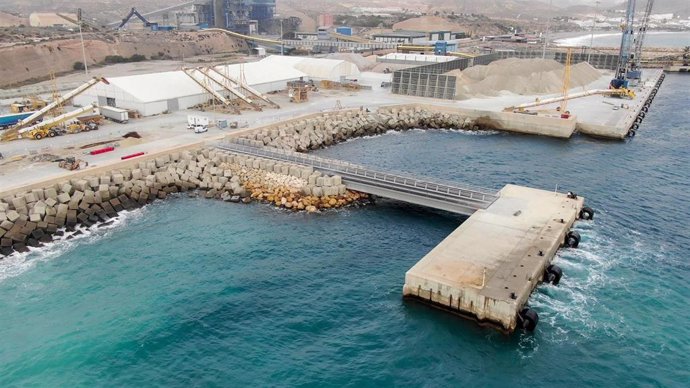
<point x="520" y="76"/>
<point x="363" y="63"/>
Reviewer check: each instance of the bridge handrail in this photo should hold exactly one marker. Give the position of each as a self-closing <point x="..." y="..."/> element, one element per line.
<point x="485" y="191"/>
<point x="349" y="168"/>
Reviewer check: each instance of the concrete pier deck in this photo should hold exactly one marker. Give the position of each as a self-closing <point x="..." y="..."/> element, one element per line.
<point x="596" y="115"/>
<point x="487" y="268"/>
<point x="602" y="121"/>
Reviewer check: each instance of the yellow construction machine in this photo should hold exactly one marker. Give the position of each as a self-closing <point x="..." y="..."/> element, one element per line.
<point x="71" y="163"/>
<point x="29" y="104"/>
<point x="623" y="93"/>
<point x="65" y="123"/>
<point x="28" y="127"/>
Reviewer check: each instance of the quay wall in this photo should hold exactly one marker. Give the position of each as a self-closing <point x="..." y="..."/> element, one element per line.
<point x="637" y="110"/>
<point x="324" y="129"/>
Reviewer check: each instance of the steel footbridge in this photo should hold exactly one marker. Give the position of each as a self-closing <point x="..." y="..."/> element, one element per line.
<point x="448" y="196"/>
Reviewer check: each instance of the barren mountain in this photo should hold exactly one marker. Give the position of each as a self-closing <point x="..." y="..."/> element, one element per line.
<point x="36" y="61"/>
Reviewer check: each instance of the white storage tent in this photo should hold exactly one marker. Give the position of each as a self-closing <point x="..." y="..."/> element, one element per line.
<point x="155" y="93"/>
<point x="316" y="68"/>
<point x="263" y="77"/>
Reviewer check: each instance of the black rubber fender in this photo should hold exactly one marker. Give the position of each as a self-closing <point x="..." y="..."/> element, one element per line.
<point x="553" y="274"/>
<point x="635" y="127"/>
<point x="528" y="319"/>
<point x="642" y="115"/>
<point x="638" y="119"/>
<point x="631" y="133"/>
<point x="572" y="239"/>
<point x="587" y="213"/>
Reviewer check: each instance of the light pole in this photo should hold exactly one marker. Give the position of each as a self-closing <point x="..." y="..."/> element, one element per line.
<point x="594" y="22"/>
<point x="81" y="36"/>
<point x="282" y="45"/>
<point x="546" y="34"/>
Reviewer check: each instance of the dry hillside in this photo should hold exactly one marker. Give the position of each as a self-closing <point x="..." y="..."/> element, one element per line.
<point x="37" y="61"/>
<point x="9" y="20"/>
<point x="427" y="23"/>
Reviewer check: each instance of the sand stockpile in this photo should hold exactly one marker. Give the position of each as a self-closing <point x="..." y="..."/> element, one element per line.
<point x="520" y="76"/>
<point x="363" y="63"/>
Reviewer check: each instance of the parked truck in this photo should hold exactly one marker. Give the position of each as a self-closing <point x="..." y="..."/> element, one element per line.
<point x="10" y="120"/>
<point x="194" y="121"/>
<point x="116" y="114"/>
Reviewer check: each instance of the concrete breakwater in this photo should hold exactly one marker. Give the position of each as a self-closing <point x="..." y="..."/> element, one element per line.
<point x="331" y="128"/>
<point x="32" y="218"/>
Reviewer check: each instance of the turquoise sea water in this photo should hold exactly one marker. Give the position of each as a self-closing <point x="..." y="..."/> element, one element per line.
<point x="193" y="292"/>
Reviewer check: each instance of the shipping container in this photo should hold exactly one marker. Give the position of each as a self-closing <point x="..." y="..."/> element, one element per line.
<point x="344" y="30"/>
<point x="115" y="114"/>
<point x="9" y="120"/>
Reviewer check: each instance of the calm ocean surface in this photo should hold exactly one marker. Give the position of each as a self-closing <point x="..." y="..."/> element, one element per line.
<point x="676" y="39"/>
<point x="192" y="292"/>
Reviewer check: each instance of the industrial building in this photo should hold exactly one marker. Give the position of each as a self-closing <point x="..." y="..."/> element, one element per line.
<point x="413" y="59"/>
<point x="418" y="37"/>
<point x="407" y="37"/>
<point x="156" y="93"/>
<point x="243" y="16"/>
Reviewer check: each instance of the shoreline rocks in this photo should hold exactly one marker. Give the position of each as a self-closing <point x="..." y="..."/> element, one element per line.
<point x="32" y="218"/>
<point x="332" y="128"/>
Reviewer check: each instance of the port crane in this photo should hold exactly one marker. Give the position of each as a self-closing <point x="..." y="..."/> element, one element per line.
<point x="642" y="31"/>
<point x="625" y="55"/>
<point x="631" y="49"/>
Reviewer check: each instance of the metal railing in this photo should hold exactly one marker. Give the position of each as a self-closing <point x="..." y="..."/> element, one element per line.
<point x="478" y="197"/>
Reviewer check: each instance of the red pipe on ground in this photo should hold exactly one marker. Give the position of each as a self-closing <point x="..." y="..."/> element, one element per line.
<point x="130" y="156"/>
<point x="102" y="150"/>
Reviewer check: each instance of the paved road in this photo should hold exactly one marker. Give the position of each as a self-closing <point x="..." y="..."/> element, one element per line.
<point x="169" y="130"/>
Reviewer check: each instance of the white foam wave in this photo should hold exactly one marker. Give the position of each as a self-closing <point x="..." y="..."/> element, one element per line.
<point x="467" y="132"/>
<point x="572" y="309"/>
<point x="18" y="263"/>
<point x="581" y="40"/>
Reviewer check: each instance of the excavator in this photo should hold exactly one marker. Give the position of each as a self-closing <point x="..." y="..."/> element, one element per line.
<point x="71" y="163"/>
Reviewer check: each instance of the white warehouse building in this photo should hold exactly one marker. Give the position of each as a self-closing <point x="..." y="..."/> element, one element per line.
<point x="317" y="69"/>
<point x="156" y="93"/>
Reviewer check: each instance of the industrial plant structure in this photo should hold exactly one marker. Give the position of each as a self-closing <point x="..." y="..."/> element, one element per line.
<point x="243" y="16"/>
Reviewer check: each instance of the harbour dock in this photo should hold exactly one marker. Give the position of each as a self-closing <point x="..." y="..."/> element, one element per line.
<point x="488" y="267"/>
<point x="618" y="121"/>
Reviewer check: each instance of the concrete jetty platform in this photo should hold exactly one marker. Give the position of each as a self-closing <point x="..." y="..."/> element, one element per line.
<point x="602" y="120"/>
<point x="487" y="268"/>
